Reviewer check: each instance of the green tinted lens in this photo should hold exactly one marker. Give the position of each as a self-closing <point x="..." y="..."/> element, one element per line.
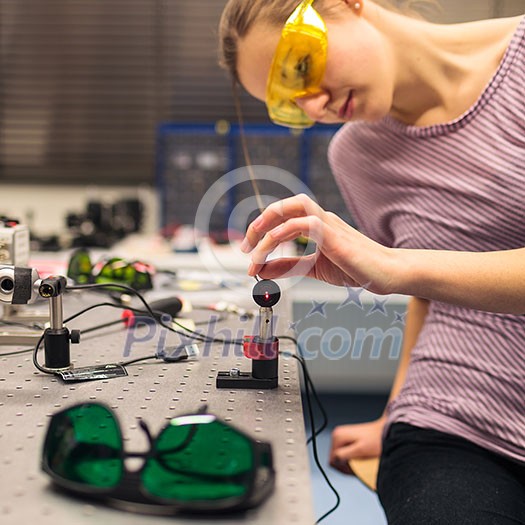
<point x="116" y="270"/>
<point x="119" y="271"/>
<point x="199" y="458"/>
<point x="84" y="445"/>
<point x="80" y="267"/>
<point x="142" y="281"/>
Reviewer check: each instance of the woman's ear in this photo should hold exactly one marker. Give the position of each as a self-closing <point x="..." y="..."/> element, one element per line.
<point x="355" y="5"/>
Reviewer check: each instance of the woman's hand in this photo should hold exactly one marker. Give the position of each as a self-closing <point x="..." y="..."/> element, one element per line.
<point x="355" y="442"/>
<point x="344" y="256"/>
<point x="490" y="281"/>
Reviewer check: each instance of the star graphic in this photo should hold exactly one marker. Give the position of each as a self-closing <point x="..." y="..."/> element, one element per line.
<point x="354" y="297"/>
<point x="400" y="318"/>
<point x="317" y="308"/>
<point x="293" y="326"/>
<point x="379" y="306"/>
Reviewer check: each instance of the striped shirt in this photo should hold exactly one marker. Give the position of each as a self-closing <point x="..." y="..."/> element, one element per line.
<point x="454" y="186"/>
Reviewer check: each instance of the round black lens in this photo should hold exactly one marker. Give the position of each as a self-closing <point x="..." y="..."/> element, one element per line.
<point x="7" y="285"/>
<point x="266" y="293"/>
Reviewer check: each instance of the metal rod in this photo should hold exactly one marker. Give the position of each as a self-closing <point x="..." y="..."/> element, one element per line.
<point x="55" y="312"/>
<point x="265" y="323"/>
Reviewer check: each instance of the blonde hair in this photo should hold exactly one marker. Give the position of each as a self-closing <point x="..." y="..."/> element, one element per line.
<point x="239" y="16"/>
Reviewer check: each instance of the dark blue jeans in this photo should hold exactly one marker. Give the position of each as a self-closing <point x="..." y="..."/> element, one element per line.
<point x="431" y="478"/>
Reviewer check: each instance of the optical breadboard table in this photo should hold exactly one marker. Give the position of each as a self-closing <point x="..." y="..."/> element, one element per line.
<point x="154" y="391"/>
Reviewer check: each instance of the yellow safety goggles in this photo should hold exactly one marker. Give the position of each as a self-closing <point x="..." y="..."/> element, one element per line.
<point x="298" y="66"/>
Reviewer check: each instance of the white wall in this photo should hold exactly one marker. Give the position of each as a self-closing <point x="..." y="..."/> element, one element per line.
<point x="44" y="207"/>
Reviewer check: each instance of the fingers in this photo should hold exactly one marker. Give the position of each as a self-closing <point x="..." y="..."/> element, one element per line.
<point x="277" y="213"/>
<point x="310" y="226"/>
<point x="289" y="267"/>
<point x="344" y="442"/>
<point x="348" y="452"/>
<point x="340" y="458"/>
<point x="355" y="442"/>
<point x="344" y="254"/>
<point x="342" y="466"/>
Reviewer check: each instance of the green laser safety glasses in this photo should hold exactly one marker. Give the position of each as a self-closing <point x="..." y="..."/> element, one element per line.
<point x="197" y="463"/>
<point x="113" y="270"/>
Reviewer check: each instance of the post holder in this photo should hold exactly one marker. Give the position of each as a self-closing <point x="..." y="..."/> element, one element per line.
<point x="262" y="349"/>
<point x="57" y="337"/>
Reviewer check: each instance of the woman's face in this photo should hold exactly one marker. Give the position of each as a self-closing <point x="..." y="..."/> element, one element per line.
<point x="358" y="83"/>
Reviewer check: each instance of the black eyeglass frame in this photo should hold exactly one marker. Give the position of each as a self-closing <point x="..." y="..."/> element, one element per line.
<point x="129" y="493"/>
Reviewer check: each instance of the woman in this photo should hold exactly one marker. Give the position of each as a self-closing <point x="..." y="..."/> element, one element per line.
<point x="431" y="164"/>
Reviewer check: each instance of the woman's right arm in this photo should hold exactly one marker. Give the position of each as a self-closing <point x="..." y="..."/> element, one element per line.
<point x="364" y="440"/>
<point x="490" y="281"/>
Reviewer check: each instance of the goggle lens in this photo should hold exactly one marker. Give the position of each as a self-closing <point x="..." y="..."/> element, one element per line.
<point x="298" y="66"/>
<point x="199" y="458"/>
<point x="84" y="445"/>
<point x="197" y="462"/>
<point x="80" y="267"/>
<point x="133" y="274"/>
<point x="115" y="270"/>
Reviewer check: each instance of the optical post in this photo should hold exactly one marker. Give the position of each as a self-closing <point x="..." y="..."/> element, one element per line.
<point x="262" y="349"/>
<point x="20" y="286"/>
<point x="57" y="337"/>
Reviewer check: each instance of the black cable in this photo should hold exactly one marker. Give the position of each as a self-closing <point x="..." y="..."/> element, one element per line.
<point x="92" y="307"/>
<point x="311" y="389"/>
<point x="189" y="333"/>
<point x="34" y="326"/>
<point x="158" y="313"/>
<point x="152" y="313"/>
<point x="17" y="352"/>
<point x="163" y="357"/>
<point x="53" y="372"/>
<point x="101" y="326"/>
<point x="157" y="317"/>
<point x="138" y="359"/>
<point x="309" y="382"/>
<point x="35" y="358"/>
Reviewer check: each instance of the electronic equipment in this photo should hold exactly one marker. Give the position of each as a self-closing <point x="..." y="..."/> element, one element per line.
<point x="15" y="290"/>
<point x="262" y="349"/>
<point x="14" y="242"/>
<point x="169" y="305"/>
<point x="102" y="224"/>
<point x="20" y="285"/>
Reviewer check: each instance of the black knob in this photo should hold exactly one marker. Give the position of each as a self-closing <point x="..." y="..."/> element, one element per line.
<point x="74" y="336"/>
<point x="266" y="293"/>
